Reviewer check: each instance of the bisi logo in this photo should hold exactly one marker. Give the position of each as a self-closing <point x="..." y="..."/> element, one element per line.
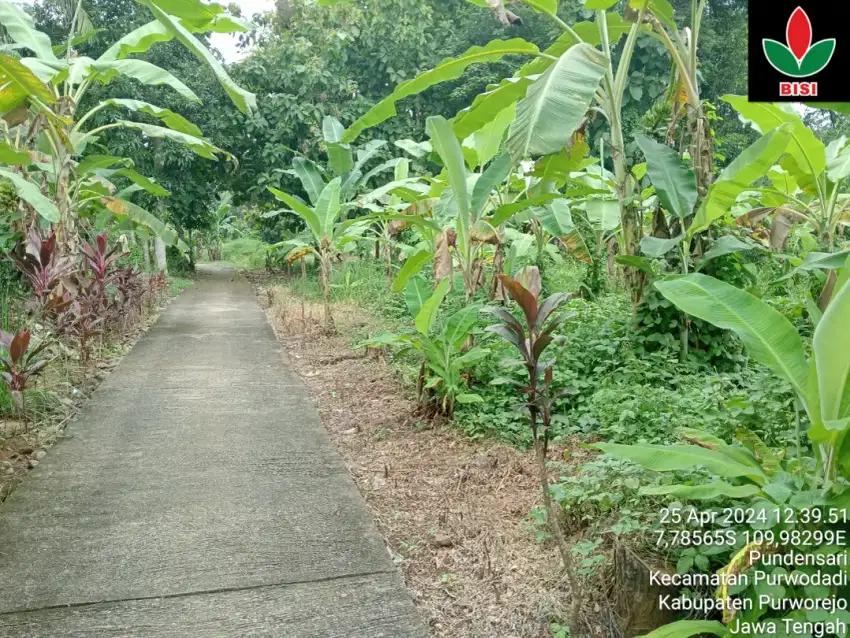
<point x="796" y="52"/>
<point x="799" y="58"/>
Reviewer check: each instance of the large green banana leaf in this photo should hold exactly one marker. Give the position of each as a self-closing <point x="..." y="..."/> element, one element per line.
<point x="688" y="628"/>
<point x="769" y="337"/>
<point x="448" y="148"/>
<point x="138" y="41"/>
<point x="19" y="83"/>
<point x="669" y="458"/>
<point x="412" y="265"/>
<point x="832" y="356"/>
<point x="707" y="492"/>
<point x="674" y="182"/>
<point x="556" y="103"/>
<point x="751" y="165"/>
<point x="21" y="29"/>
<point x="144" y="72"/>
<point x="427" y="314"/>
<point x="302" y="210"/>
<point x="244" y="100"/>
<point x="138" y="215"/>
<point x="198" y="145"/>
<point x="310" y="177"/>
<point x="808" y="151"/>
<point x="172" y="120"/>
<point x="328" y="206"/>
<point x="450" y="69"/>
<point x="33" y="196"/>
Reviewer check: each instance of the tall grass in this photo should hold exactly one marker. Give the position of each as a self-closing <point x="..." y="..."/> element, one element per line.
<point x="246" y="252"/>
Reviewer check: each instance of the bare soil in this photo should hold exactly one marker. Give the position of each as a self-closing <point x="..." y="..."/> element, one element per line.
<point x="65" y="386"/>
<point x="454" y="513"/>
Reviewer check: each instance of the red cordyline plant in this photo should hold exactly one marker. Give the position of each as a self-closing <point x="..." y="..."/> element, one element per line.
<point x="156" y="287"/>
<point x="99" y="259"/>
<point x="129" y="293"/>
<point x="19" y="363"/>
<point x="84" y="321"/>
<point x="46" y="270"/>
<point x="532" y="339"/>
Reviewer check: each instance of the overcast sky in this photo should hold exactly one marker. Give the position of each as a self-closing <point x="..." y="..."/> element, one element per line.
<point x="227" y="43"/>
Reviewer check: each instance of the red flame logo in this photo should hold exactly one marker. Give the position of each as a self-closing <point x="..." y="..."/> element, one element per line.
<point x="798" y="33"/>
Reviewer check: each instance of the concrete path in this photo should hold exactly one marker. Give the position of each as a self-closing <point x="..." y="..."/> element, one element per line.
<point x="198" y="495"/>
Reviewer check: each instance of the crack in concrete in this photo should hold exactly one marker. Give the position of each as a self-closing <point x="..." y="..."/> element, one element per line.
<point x="203" y="592"/>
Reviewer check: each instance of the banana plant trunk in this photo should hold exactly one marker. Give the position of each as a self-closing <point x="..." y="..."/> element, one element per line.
<point x="67" y="228"/>
<point x="326" y="286"/>
<point x="630" y="221"/>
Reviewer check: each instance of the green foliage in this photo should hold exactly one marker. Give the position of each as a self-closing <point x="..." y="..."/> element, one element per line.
<point x="442" y="344"/>
<point x="178" y="285"/>
<point x="177" y="263"/>
<point x="244" y="252"/>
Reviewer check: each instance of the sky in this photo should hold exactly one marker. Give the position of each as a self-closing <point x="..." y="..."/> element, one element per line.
<point x="227" y="43"/>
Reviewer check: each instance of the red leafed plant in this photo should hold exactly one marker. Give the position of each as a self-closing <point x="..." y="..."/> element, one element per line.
<point x="99" y="259"/>
<point x="531" y="338"/>
<point x="84" y="321"/>
<point x="20" y="363"/>
<point x="46" y="270"/>
<point x="129" y="290"/>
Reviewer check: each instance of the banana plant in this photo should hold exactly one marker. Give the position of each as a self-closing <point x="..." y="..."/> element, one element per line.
<point x="751" y="470"/>
<point x="45" y="137"/>
<point x="472" y="231"/>
<point x="682" y="46"/>
<point x="552" y="94"/>
<point x="821" y="382"/>
<point x="441" y="344"/>
<point x="330" y="202"/>
<point x="806" y="185"/>
<point x="676" y="187"/>
<point x="329" y="234"/>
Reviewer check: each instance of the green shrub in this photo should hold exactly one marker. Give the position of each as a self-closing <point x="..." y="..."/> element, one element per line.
<point x="246" y="252"/>
<point x="177" y="262"/>
<point x="626" y="394"/>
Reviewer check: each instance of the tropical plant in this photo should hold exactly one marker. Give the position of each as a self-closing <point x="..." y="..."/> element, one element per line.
<point x="676" y="188"/>
<point x="329" y="233"/>
<point x="531" y="340"/>
<point x="44" y="136"/>
<point x="129" y="296"/>
<point x="39" y="260"/>
<point x="99" y="260"/>
<point x="442" y="344"/>
<point x="86" y="317"/>
<point x="777" y="482"/>
<point x="806" y="178"/>
<point x="20" y="363"/>
<point x="551" y="95"/>
<point x="223" y="226"/>
<point x="330" y="203"/>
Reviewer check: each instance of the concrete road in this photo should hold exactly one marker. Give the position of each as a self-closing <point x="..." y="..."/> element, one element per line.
<point x="198" y="495"/>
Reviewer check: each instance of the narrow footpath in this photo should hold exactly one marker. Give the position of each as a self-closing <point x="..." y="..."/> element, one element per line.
<point x="198" y="494"/>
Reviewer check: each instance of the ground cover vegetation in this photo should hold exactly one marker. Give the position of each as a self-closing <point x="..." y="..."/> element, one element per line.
<point x="577" y="236"/>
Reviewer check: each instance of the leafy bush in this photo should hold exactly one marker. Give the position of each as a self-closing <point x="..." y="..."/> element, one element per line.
<point x="244" y="252"/>
<point x="176" y="262"/>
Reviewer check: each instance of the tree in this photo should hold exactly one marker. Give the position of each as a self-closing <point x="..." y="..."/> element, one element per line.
<point x="46" y="94"/>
